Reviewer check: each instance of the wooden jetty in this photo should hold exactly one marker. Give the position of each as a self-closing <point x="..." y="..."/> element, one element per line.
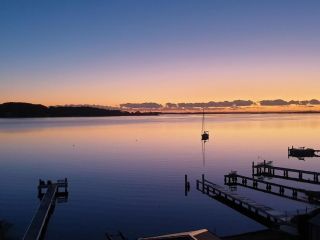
<point x="40" y="219"/>
<point x="62" y="191"/>
<point x="268" y="170"/>
<point x="302" y="195"/>
<point x="261" y="213"/>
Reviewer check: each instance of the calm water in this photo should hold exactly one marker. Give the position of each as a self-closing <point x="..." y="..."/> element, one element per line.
<point x="127" y="173"/>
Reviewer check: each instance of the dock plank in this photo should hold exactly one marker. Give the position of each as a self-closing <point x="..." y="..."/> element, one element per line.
<point x="297" y="194"/>
<point x="248" y="207"/>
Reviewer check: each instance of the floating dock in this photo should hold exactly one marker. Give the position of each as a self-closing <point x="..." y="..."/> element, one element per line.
<point x="260" y="213"/>
<point x="302" y="195"/>
<point x="268" y="170"/>
<point x="39" y="221"/>
<point x="302" y="152"/>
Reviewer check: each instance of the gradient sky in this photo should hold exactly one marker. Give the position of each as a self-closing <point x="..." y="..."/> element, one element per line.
<point x="111" y="52"/>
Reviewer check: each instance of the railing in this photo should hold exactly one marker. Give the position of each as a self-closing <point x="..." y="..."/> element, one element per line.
<point x="265" y="169"/>
<point x="269" y="187"/>
<point x="243" y="204"/>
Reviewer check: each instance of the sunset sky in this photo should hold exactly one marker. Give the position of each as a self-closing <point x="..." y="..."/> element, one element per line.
<point x="112" y="52"/>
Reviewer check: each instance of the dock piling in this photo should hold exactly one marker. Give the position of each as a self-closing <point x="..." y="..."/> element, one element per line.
<point x="186" y="185"/>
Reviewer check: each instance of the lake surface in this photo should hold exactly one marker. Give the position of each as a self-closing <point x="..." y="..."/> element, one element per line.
<point x="127" y="173"/>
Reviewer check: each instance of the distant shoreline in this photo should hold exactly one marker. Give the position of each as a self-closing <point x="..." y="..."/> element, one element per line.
<point x="160" y="113"/>
<point x="28" y="110"/>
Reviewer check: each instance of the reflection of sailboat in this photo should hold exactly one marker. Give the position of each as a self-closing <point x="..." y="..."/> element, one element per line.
<point x="204" y="152"/>
<point x="204" y="134"/>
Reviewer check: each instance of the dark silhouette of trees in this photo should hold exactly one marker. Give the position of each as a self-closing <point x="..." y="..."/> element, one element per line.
<point x="25" y="110"/>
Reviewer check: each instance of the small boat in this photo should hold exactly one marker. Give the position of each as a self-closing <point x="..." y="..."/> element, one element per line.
<point x="205" y="134"/>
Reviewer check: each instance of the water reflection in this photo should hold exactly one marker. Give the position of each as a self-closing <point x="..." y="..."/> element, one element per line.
<point x="203" y="149"/>
<point x="127" y="172"/>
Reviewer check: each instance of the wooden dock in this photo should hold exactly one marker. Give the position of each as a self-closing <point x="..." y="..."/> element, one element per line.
<point x="297" y="194"/>
<point x="62" y="191"/>
<point x="268" y="170"/>
<point x="38" y="224"/>
<point x="260" y="213"/>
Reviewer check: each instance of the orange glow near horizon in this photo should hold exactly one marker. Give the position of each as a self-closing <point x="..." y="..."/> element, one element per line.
<point x="196" y="85"/>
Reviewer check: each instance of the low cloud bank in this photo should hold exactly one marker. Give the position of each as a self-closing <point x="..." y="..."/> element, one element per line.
<point x="212" y="104"/>
<point x="217" y="105"/>
<point x="280" y="102"/>
<point x="147" y="105"/>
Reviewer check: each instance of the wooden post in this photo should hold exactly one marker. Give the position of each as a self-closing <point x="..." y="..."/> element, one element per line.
<point x="281" y="190"/>
<point x="252" y="168"/>
<point x="294" y="193"/>
<point x="202" y="183"/>
<point x="186" y="185"/>
<point x="66" y="185"/>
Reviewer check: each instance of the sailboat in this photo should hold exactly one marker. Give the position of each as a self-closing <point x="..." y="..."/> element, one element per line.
<point x="204" y="134"/>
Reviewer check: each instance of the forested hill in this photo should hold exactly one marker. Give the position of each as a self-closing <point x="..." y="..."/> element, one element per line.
<point x="24" y="110"/>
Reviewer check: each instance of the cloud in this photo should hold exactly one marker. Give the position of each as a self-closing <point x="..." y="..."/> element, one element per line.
<point x="171" y="105"/>
<point x="314" y="102"/>
<point x="277" y="102"/>
<point x="218" y="105"/>
<point x="147" y="105"/>
<point x="280" y="102"/>
<point x="293" y="102"/>
<point x="212" y="104"/>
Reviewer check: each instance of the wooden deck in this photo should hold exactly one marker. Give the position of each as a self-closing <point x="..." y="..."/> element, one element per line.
<point x="260" y="213"/>
<point x="296" y="194"/>
<point x="268" y="170"/>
